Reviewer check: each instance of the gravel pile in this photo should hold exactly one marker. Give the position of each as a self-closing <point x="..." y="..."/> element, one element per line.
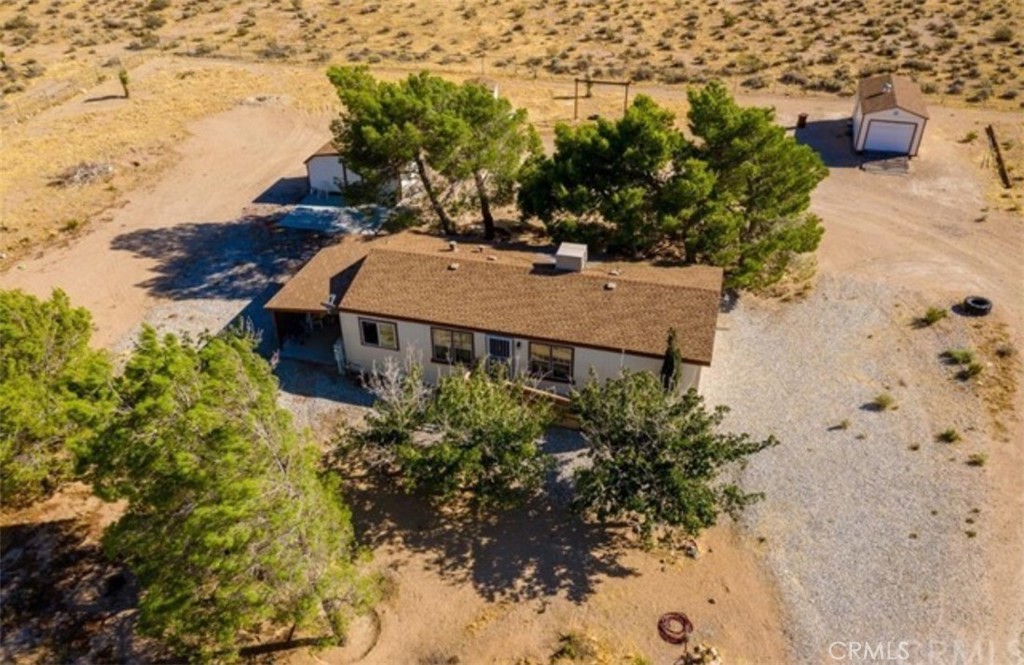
<point x="866" y="535"/>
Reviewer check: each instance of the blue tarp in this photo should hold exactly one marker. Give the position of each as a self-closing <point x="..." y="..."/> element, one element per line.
<point x="329" y="214"/>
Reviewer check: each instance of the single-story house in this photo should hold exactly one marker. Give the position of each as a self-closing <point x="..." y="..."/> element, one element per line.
<point x="554" y="318"/>
<point x="889" y="115"/>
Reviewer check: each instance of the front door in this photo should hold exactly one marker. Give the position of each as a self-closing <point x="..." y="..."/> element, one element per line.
<point x="499" y="350"/>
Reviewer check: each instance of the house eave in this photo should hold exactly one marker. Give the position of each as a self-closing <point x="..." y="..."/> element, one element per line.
<point x="596" y="347"/>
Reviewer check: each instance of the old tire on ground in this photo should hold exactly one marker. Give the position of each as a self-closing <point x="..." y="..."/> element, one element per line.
<point x="977" y="306"/>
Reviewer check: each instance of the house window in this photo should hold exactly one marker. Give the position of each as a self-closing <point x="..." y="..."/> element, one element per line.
<point x="452" y="347"/>
<point x="378" y="333"/>
<point x="551" y="363"/>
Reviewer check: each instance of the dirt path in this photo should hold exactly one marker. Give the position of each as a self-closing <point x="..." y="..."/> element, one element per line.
<point x="227" y="162"/>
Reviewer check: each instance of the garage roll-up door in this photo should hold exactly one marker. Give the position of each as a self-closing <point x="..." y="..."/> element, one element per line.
<point x="889" y="136"/>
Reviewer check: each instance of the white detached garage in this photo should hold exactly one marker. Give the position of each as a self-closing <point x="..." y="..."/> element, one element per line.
<point x="327" y="173"/>
<point x="890" y="116"/>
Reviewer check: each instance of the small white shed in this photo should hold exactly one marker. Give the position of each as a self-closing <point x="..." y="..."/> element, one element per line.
<point x="327" y="173"/>
<point x="889" y="116"/>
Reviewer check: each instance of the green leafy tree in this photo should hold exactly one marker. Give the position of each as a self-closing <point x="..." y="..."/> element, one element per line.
<point x="496" y="141"/>
<point x="606" y="180"/>
<point x="386" y="126"/>
<point x="229" y="526"/>
<point x="672" y="365"/>
<point x="476" y="433"/>
<point x="763" y="184"/>
<point x="737" y="197"/>
<point x="54" y="392"/>
<point x="656" y="456"/>
<point x="454" y="135"/>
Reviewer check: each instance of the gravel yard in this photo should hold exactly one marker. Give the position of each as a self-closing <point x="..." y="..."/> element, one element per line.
<point x="866" y="515"/>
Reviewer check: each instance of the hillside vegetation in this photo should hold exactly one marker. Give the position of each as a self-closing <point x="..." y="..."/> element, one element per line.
<point x="967" y="50"/>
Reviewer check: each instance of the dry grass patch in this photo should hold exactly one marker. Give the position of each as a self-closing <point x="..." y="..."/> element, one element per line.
<point x="999" y="384"/>
<point x="968" y="51"/>
<point x="132" y="137"/>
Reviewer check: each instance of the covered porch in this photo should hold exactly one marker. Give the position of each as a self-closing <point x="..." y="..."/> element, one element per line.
<point x="313" y="337"/>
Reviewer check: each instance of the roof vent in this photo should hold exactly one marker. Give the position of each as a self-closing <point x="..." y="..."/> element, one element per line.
<point x="453" y="266"/>
<point x="610" y="286"/>
<point x="571" y="257"/>
<point x="887" y="88"/>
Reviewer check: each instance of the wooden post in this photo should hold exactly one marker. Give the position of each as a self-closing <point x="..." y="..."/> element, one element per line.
<point x="576" y="99"/>
<point x="625" y="101"/>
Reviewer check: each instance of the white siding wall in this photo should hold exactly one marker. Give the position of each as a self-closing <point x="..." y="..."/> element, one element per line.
<point x="857" y="119"/>
<point x="414" y="343"/>
<point x="861" y="129"/>
<point x="326" y="173"/>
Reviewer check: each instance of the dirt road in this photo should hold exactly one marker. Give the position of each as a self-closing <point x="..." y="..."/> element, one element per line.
<point x="228" y="161"/>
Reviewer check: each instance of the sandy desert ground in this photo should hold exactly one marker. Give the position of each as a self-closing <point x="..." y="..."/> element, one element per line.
<point x="829" y="555"/>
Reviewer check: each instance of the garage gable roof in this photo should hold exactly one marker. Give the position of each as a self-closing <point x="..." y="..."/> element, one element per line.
<point x="890" y="91"/>
<point x="326" y="150"/>
<point x="593" y="309"/>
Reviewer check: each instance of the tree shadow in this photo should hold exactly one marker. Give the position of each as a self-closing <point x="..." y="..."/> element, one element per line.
<point x="284" y="191"/>
<point x="306" y="379"/>
<point x="528" y="553"/>
<point x="63" y="602"/>
<point x="224" y="260"/>
<point x="103" y="98"/>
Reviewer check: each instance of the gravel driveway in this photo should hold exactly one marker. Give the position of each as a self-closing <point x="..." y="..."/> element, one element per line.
<point x="865" y="527"/>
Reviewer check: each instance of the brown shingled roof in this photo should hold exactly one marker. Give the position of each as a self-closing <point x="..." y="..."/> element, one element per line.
<point x="889" y="91"/>
<point x="540" y="303"/>
<point x="326" y="150"/>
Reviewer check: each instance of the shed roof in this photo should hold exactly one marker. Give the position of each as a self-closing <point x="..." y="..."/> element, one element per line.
<point x="573" y="249"/>
<point x="326" y="150"/>
<point x="889" y="91"/>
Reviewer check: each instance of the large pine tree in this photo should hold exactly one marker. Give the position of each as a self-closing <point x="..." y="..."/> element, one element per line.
<point x="54" y="392"/>
<point x="229" y="526"/>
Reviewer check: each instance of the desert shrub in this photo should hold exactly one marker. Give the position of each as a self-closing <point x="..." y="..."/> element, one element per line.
<point x="83" y="173"/>
<point x="932" y="315"/>
<point x="969" y="372"/>
<point x="957" y="356"/>
<point x="153" y="21"/>
<point x="883" y="402"/>
<point x="948" y="436"/>
<point x="272" y="50"/>
<point x="977" y="459"/>
<point x="1004" y="351"/>
<point x="754" y="82"/>
<point x="575" y="647"/>
<point x="1002" y="34"/>
<point x="969" y="137"/>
